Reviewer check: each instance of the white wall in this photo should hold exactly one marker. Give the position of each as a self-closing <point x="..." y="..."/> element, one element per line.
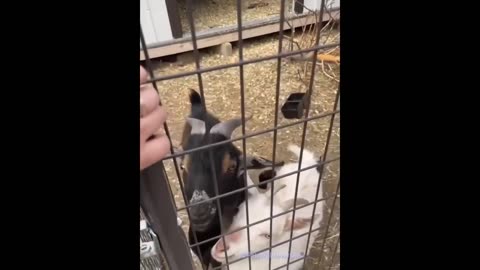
<point x="154" y="21"/>
<point x="315" y="4"/>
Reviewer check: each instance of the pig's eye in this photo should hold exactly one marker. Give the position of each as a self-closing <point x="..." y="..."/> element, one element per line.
<point x="266" y="235"/>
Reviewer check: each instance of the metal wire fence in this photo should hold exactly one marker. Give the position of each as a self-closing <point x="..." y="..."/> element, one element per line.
<point x="171" y="249"/>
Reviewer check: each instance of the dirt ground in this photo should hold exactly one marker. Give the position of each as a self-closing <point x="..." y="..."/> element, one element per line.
<point x="222" y="93"/>
<point x="206" y="12"/>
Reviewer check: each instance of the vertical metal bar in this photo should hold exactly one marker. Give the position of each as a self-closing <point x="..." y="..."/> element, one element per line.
<point x="309" y="95"/>
<point x="150" y="71"/>
<point x="324" y="156"/>
<point x="177" y="170"/>
<point x="207" y="127"/>
<point x="328" y="223"/>
<point x="182" y="188"/>
<point x="195" y="238"/>
<point x="244" y="142"/>
<point x="159" y="208"/>
<point x="167" y="132"/>
<point x="277" y="96"/>
<point x="334" y="253"/>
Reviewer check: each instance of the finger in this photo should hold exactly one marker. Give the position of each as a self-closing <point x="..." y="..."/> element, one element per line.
<point x="149" y="100"/>
<point x="143" y="75"/>
<point x="152" y="122"/>
<point x="153" y="151"/>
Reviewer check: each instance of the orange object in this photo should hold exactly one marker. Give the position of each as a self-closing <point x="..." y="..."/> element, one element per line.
<point x="328" y="58"/>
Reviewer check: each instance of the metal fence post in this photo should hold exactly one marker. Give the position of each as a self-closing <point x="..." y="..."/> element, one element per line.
<point x="160" y="211"/>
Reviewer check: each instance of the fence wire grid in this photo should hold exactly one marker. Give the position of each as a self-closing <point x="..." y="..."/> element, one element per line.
<point x="259" y="75"/>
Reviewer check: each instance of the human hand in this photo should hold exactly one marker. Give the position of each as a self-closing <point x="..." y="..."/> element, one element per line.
<point x="152" y="117"/>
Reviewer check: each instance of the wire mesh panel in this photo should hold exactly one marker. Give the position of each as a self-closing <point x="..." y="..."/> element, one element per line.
<point x="258" y="186"/>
